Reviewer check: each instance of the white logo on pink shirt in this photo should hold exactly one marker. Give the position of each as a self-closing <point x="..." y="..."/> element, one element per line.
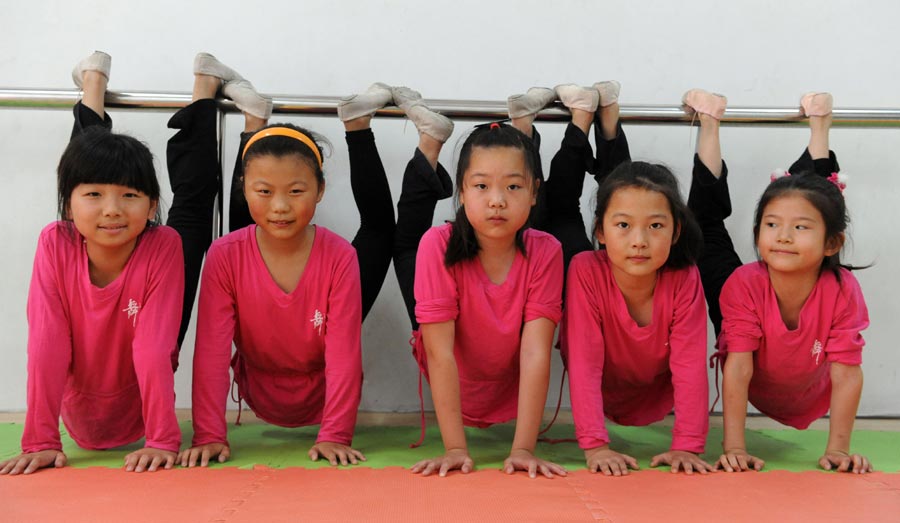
<point x="132" y="311"/>
<point x="318" y="320"/>
<point x="817" y="350"/>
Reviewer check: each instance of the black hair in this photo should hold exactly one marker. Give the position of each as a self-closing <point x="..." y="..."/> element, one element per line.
<point x="279" y="146"/>
<point x="687" y="245"/>
<point x="463" y="244"/>
<point x="822" y="194"/>
<point x="98" y="156"/>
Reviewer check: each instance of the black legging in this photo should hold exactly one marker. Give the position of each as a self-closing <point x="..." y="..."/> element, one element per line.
<point x="710" y="202"/>
<point x="422" y="188"/>
<point x="562" y="190"/>
<point x="369" y="184"/>
<point x="194" y="176"/>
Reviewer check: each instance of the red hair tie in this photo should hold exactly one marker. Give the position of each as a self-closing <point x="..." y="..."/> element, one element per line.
<point x="494" y="125"/>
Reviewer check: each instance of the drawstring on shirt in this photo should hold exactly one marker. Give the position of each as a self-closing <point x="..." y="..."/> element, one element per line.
<point x="236" y="391"/>
<point x="717" y="362"/>
<point x="412" y="343"/>
<point x="554" y="441"/>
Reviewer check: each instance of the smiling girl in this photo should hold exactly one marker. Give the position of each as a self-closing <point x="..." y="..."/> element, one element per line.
<point x="104" y="305"/>
<point x="791" y="322"/>
<point x="285" y="292"/>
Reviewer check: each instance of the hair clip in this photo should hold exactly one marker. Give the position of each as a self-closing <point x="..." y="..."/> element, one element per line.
<point x="492" y="125"/>
<point x="839" y="180"/>
<point x="778" y="173"/>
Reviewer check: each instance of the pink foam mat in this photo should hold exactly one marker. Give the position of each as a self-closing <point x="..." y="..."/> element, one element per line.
<point x="226" y="494"/>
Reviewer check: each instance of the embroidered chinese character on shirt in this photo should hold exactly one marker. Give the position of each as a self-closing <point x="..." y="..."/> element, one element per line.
<point x="318" y="320"/>
<point x="817" y="350"/>
<point x="132" y="311"/>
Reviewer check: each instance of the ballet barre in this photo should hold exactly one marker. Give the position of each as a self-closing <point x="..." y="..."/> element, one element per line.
<point x="454" y="109"/>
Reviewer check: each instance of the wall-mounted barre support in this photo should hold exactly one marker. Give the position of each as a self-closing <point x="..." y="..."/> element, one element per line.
<point x="456" y="109"/>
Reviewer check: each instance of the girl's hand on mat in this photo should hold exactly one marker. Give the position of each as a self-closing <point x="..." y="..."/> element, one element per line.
<point x="149" y="458"/>
<point x="844" y="462"/>
<point x="335" y="452"/>
<point x="738" y="460"/>
<point x="609" y="462"/>
<point x="522" y="459"/>
<point x="682" y="460"/>
<point x="204" y="453"/>
<point x="453" y="459"/>
<point x="28" y="462"/>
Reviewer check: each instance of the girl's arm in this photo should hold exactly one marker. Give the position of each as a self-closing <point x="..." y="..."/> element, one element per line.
<point x="844" y="352"/>
<point x="740" y="337"/>
<point x="216" y="319"/>
<point x="736" y="375"/>
<point x="343" y="366"/>
<point x="687" y="362"/>
<point x="155" y="340"/>
<point x="534" y="378"/>
<point x="444" y="380"/>
<point x="846" y="388"/>
<point x="437" y="307"/>
<point x="581" y="337"/>
<point x="49" y="357"/>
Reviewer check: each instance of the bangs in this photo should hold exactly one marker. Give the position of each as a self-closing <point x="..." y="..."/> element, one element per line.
<point x="98" y="156"/>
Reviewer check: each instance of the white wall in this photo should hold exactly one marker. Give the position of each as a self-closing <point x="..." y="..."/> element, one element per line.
<point x="759" y="53"/>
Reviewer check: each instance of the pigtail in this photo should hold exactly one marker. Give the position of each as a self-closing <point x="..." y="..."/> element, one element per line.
<point x="462" y="245"/>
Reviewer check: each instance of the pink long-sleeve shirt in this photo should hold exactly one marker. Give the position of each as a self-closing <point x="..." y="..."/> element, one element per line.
<point x="791" y="379"/>
<point x="488" y="317"/>
<point x="103" y="358"/>
<point x="299" y="358"/>
<point x="631" y="374"/>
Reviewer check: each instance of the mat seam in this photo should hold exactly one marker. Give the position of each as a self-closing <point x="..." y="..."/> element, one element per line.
<point x="598" y="513"/>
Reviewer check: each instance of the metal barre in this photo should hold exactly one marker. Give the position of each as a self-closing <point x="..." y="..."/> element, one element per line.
<point x="456" y="109"/>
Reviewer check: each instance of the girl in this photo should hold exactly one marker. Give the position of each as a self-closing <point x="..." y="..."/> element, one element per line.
<point x="634" y="337"/>
<point x="791" y="321"/>
<point x="286" y="292"/>
<point x="104" y="302"/>
<point x="487" y="300"/>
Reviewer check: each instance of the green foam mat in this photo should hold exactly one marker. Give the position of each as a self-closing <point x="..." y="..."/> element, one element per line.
<point x="261" y="444"/>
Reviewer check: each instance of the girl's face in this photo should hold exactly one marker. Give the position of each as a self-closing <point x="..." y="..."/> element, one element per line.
<point x="110" y="216"/>
<point x="791" y="236"/>
<point x="638" y="231"/>
<point x="497" y="192"/>
<point x="282" y="193"/>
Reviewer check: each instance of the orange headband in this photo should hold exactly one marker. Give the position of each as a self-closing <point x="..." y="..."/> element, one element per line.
<point x="283" y="131"/>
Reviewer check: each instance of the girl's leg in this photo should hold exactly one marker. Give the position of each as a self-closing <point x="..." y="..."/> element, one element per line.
<point x="256" y="109"/>
<point x="566" y="180"/>
<point x="374" y="241"/>
<point x="522" y="110"/>
<point x="817" y="157"/>
<point x="710" y="201"/>
<point x="425" y="182"/>
<point x="195" y="176"/>
<point x="238" y="212"/>
<point x="92" y="76"/>
<point x="612" y="145"/>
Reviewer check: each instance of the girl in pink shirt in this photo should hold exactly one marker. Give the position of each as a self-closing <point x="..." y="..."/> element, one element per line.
<point x="634" y="333"/>
<point x="285" y="292"/>
<point x="104" y="304"/>
<point x="487" y="300"/>
<point x="790" y="322"/>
